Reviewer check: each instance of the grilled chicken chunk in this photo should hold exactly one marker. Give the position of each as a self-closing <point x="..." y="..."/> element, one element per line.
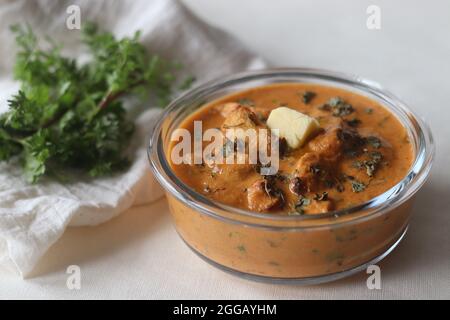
<point x="262" y="197"/>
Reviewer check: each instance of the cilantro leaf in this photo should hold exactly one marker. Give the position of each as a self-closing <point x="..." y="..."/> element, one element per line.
<point x="71" y="116"/>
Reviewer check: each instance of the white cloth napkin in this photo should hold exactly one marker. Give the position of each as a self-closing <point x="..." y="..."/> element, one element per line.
<point x="33" y="217"/>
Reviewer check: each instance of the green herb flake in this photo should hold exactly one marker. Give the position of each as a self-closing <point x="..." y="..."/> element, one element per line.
<point x="334" y="102"/>
<point x="357" y="186"/>
<point x="371" y="166"/>
<point x="338" y="107"/>
<point x="374" y="142"/>
<point x="307" y="96"/>
<point x="342" y="110"/>
<point x="376" y="156"/>
<point x="353" y="122"/>
<point x="301" y="203"/>
<point x="321" y="196"/>
<point x="247" y="102"/>
<point x="358" y="164"/>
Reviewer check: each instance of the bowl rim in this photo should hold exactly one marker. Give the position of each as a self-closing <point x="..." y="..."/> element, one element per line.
<point x="385" y="202"/>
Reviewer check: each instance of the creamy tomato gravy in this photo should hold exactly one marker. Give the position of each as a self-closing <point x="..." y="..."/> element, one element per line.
<point x="361" y="151"/>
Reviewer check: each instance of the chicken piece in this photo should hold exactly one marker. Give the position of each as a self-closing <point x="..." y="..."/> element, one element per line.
<point x="261" y="197"/>
<point x="323" y="206"/>
<point x="247" y="141"/>
<point x="240" y="117"/>
<point x="352" y="142"/>
<point x="234" y="171"/>
<point x="227" y="108"/>
<point x="314" y="166"/>
<point x="307" y="170"/>
<point x="327" y="145"/>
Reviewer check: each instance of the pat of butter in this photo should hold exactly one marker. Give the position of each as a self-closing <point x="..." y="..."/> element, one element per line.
<point x="294" y="126"/>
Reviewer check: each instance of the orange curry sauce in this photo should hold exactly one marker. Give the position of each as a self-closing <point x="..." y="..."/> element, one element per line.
<point x="361" y="151"/>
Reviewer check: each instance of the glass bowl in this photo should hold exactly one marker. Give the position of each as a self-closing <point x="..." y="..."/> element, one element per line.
<point x="302" y="249"/>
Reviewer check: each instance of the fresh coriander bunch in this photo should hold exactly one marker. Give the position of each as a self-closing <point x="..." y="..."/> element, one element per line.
<point x="67" y="116"/>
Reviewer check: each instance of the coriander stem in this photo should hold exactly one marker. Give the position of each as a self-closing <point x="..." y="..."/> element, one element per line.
<point x="113" y="95"/>
<point x="11" y="138"/>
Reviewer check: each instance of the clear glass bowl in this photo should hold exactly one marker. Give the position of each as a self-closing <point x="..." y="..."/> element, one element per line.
<point x="302" y="249"/>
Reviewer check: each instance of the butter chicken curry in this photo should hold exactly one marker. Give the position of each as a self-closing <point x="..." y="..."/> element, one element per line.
<point x="347" y="150"/>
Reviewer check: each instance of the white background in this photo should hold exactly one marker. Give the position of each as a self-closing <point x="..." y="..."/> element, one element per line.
<point x="139" y="255"/>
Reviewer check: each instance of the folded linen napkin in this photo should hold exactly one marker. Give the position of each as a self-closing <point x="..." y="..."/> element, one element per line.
<point x="33" y="217"/>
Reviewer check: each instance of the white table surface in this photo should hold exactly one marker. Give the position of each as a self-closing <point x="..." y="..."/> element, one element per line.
<point x="139" y="255"/>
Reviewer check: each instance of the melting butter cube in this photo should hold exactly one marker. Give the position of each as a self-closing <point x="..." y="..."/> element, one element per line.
<point x="294" y="126"/>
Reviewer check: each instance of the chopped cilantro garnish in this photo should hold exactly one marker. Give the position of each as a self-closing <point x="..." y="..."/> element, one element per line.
<point x="357" y="186"/>
<point x="307" y="96"/>
<point x="374" y="142"/>
<point x="338" y="107"/>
